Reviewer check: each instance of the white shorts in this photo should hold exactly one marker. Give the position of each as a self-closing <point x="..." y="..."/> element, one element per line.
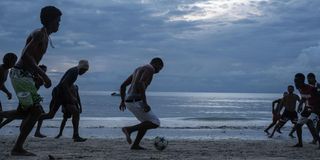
<point x="137" y="109"/>
<point x="313" y="117"/>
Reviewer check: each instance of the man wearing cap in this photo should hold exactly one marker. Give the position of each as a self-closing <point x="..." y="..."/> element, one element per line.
<point x="63" y="95"/>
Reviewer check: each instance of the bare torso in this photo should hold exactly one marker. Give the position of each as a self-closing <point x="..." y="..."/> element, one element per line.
<point x="145" y="71"/>
<point x="41" y="37"/>
<point x="290" y="102"/>
<point x="3" y="75"/>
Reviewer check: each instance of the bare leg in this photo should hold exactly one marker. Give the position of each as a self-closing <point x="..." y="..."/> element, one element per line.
<point x="54" y="106"/>
<point x="8" y="120"/>
<point x="270" y="126"/>
<point x="63" y="123"/>
<point x="299" y="134"/>
<point x="26" y="128"/>
<point x="75" y="122"/>
<point x="38" y="133"/>
<point x="279" y="128"/>
<point x="279" y="124"/>
<point x="142" y="129"/>
<point x="293" y="130"/>
<point x="11" y="114"/>
<point x="313" y="132"/>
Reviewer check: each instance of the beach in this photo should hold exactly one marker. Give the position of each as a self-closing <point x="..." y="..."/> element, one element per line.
<point x="118" y="149"/>
<point x="197" y="126"/>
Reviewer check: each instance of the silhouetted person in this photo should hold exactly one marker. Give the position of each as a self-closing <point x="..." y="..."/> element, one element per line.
<point x="18" y="113"/>
<point x="22" y="75"/>
<point x="290" y="113"/>
<point x="66" y="113"/>
<point x="276" y="115"/>
<point x="136" y="101"/>
<point x="310" y="113"/>
<point x="63" y="95"/>
<point x="313" y="82"/>
<point x="9" y="61"/>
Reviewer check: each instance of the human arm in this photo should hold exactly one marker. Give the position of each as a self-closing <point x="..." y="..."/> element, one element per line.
<point x="145" y="79"/>
<point x="3" y="78"/>
<point x="5" y="90"/>
<point x="78" y="98"/>
<point x="274" y="103"/>
<point x="33" y="46"/>
<point x="123" y="88"/>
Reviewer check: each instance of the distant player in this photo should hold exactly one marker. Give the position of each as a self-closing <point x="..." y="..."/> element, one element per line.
<point x="63" y="95"/>
<point x="276" y="115"/>
<point x="9" y="60"/>
<point x="290" y="113"/>
<point x="66" y="113"/>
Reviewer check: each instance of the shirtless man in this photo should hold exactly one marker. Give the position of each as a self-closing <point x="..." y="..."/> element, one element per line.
<point x="9" y="60"/>
<point x="276" y="108"/>
<point x="310" y="113"/>
<point x="136" y="101"/>
<point x="17" y="114"/>
<point x="22" y="75"/>
<point x="62" y="95"/>
<point x="290" y="113"/>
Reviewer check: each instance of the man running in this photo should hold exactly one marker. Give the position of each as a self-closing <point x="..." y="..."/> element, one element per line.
<point x="22" y="79"/>
<point x="16" y="114"/>
<point x="63" y="95"/>
<point x="276" y="115"/>
<point x="313" y="82"/>
<point x="310" y="113"/>
<point x="9" y="60"/>
<point x="290" y="113"/>
<point x="136" y="101"/>
<point x="66" y="113"/>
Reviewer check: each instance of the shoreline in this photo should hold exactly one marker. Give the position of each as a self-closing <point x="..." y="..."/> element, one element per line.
<point x="118" y="149"/>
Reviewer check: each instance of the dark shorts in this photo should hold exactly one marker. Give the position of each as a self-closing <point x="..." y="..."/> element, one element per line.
<point x="288" y="115"/>
<point x="61" y="96"/>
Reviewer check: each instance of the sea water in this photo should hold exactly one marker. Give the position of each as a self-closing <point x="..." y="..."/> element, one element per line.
<point x="183" y="115"/>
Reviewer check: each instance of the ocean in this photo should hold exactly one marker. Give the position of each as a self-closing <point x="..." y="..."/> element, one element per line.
<point x="183" y="115"/>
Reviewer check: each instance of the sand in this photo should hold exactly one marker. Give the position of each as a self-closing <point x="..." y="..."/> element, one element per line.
<point x="118" y="149"/>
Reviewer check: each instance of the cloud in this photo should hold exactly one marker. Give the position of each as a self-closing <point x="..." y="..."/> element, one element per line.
<point x="221" y="45"/>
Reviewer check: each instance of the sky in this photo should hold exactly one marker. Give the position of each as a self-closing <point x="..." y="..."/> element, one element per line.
<point x="206" y="45"/>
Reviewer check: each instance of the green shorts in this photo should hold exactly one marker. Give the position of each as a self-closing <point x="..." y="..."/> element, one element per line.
<point x="24" y="86"/>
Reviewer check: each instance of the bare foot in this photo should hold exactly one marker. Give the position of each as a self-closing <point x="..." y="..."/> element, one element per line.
<point x="21" y="152"/>
<point x="278" y="130"/>
<point x="58" y="136"/>
<point x="313" y="142"/>
<point x="292" y="136"/>
<point x="125" y="131"/>
<point x="298" y="145"/>
<point x="137" y="148"/>
<point x="79" y="139"/>
<point x="39" y="135"/>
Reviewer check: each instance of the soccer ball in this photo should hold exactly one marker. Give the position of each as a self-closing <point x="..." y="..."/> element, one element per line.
<point x="160" y="143"/>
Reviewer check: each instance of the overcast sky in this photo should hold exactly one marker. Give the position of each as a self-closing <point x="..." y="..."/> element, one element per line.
<point x="207" y="45"/>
